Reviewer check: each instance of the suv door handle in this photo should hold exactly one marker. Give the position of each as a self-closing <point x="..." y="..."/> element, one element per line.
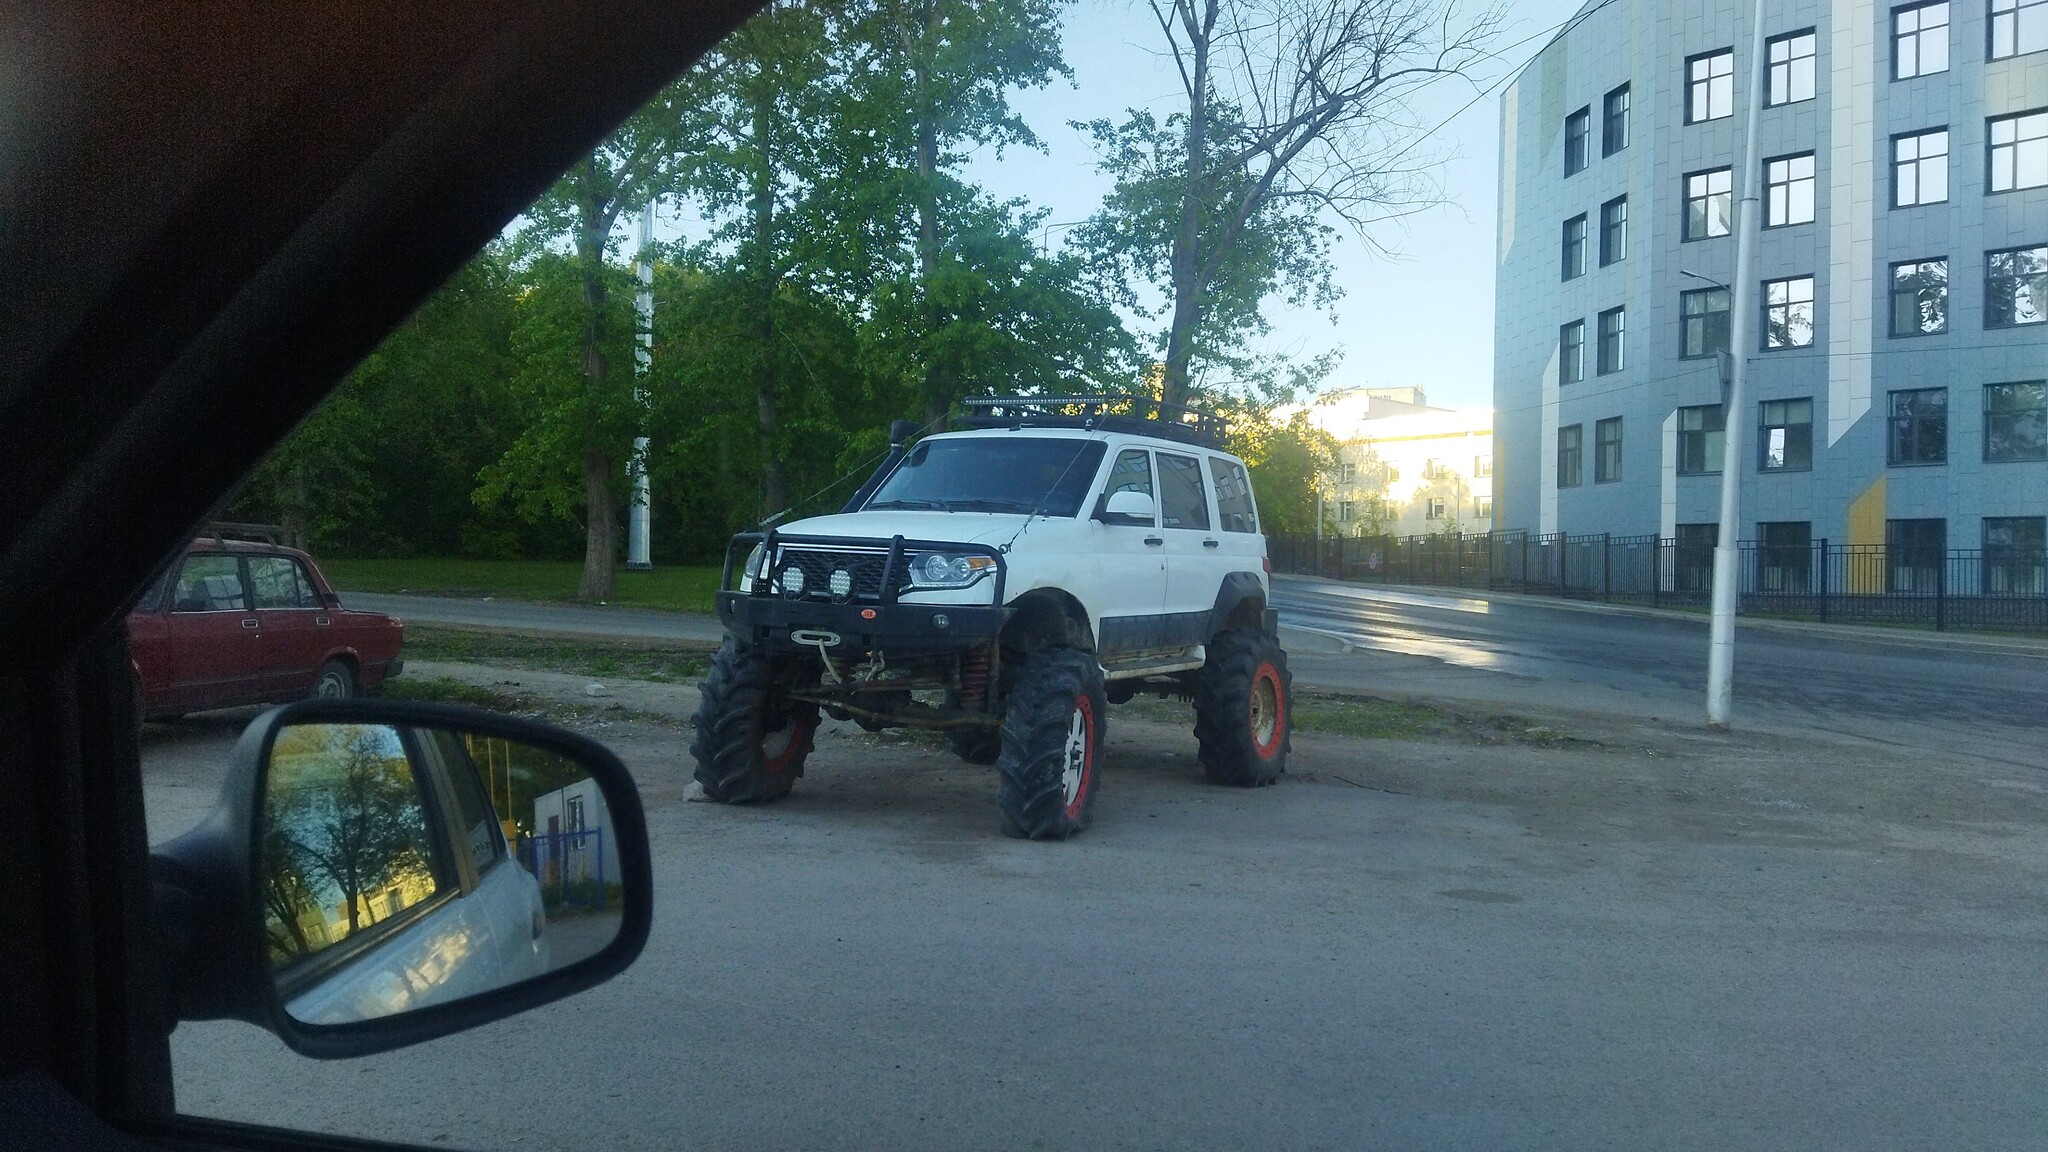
<point x="1155" y="540"/>
<point x="1212" y="543"/>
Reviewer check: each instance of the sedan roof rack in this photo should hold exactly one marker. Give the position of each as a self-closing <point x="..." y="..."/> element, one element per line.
<point x="1134" y="415"/>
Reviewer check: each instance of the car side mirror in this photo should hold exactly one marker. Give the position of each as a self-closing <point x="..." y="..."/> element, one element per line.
<point x="1126" y="508"/>
<point x="380" y="873"/>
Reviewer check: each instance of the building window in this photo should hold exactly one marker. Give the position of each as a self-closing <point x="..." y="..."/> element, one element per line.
<point x="2015" y="554"/>
<point x="2016" y="287"/>
<point x="1785" y="435"/>
<point x="1613" y="356"/>
<point x="1614" y="121"/>
<point x="1704" y="314"/>
<point x="2019" y="151"/>
<point x="1482" y="467"/>
<point x="1919" y="427"/>
<point x="2016" y="421"/>
<point x="1435" y="509"/>
<point x="1483" y="507"/>
<point x="1613" y="231"/>
<point x="1692" y="557"/>
<point x="1710" y="86"/>
<point x="1607" y="450"/>
<point x="1920" y="168"/>
<point x="1578" y="133"/>
<point x="1788" y="190"/>
<point x="1708" y="203"/>
<point x="1919" y="40"/>
<point x="1914" y="551"/>
<point x="1347" y="473"/>
<point x="1345" y="510"/>
<point x="1571" y="352"/>
<point x="1788" y="313"/>
<point x="1785" y="557"/>
<point x="1790" y="78"/>
<point x="2018" y="27"/>
<point x="1570" y="444"/>
<point x="1702" y="438"/>
<point x="1574" y="261"/>
<point x="1920" y="297"/>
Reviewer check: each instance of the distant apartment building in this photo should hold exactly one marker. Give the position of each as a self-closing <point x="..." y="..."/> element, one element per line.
<point x="1899" y="371"/>
<point x="1405" y="468"/>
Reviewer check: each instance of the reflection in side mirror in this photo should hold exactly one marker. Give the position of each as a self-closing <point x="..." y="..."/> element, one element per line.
<point x="381" y="873"/>
<point x="1133" y="509"/>
<point x="406" y="866"/>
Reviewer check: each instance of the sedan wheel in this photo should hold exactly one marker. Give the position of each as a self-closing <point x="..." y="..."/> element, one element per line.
<point x="335" y="682"/>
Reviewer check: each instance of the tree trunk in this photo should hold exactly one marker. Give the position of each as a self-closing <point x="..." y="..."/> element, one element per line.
<point x="600" y="521"/>
<point x="297" y="511"/>
<point x="1186" y="261"/>
<point x="600" y="526"/>
<point x="774" y="473"/>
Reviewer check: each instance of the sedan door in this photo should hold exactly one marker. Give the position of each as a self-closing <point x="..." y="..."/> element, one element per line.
<point x="214" y="641"/>
<point x="296" y="626"/>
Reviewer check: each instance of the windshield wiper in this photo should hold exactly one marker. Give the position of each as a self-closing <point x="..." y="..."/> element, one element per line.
<point x="983" y="505"/>
<point x="928" y="505"/>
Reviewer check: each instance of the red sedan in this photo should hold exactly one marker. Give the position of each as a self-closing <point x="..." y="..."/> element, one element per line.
<point x="246" y="623"/>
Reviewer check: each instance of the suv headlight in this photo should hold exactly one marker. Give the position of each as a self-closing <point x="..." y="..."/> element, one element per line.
<point x="947" y="570"/>
<point x="751" y="570"/>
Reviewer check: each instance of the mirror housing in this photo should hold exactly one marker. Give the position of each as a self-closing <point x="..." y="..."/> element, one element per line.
<point x="1126" y="509"/>
<point x="210" y="909"/>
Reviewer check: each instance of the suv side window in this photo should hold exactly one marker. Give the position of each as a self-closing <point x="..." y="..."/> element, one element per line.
<point x="279" y="582"/>
<point x="1182" y="499"/>
<point x="210" y="582"/>
<point x="1132" y="472"/>
<point x="1233" y="496"/>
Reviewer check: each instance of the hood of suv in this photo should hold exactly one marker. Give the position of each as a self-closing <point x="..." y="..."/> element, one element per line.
<point x="944" y="527"/>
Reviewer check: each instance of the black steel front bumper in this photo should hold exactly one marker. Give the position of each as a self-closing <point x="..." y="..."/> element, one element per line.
<point x="897" y="629"/>
<point x="870" y="617"/>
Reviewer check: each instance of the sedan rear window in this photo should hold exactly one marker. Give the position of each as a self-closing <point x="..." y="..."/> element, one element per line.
<point x="210" y="582"/>
<point x="985" y="474"/>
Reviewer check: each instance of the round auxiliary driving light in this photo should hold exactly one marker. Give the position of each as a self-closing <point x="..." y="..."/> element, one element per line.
<point x="842" y="584"/>
<point x="792" y="581"/>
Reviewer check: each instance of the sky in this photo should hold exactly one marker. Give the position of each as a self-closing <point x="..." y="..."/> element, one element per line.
<point x="1423" y="318"/>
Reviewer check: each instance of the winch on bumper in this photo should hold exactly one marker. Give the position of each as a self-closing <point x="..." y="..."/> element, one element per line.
<point x="842" y="595"/>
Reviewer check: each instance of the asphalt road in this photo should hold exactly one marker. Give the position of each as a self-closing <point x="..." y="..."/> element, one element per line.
<point x="1922" y="693"/>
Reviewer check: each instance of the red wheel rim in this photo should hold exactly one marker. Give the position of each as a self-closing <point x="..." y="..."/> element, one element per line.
<point x="1268" y="711"/>
<point x="779" y="747"/>
<point x="1078" y="772"/>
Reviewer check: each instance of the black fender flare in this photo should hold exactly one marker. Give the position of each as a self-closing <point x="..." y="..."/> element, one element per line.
<point x="1241" y="603"/>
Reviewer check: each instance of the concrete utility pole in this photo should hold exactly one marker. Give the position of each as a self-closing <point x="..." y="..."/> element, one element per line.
<point x="638" y="520"/>
<point x="1734" y="414"/>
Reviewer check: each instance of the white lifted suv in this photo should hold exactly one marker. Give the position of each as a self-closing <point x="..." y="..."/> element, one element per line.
<point x="1002" y="583"/>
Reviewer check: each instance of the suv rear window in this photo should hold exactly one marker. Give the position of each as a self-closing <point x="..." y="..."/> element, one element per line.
<point x="993" y="474"/>
<point x="1233" y="496"/>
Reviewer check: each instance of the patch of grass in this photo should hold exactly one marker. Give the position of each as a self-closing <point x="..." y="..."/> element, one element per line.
<point x="583" y="656"/>
<point x="687" y="588"/>
<point x="441" y="690"/>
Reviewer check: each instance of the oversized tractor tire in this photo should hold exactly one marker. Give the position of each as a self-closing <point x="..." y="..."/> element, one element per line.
<point x="1052" y="738"/>
<point x="1244" y="709"/>
<point x="751" y="737"/>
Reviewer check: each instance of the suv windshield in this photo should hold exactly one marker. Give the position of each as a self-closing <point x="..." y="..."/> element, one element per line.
<point x="991" y="474"/>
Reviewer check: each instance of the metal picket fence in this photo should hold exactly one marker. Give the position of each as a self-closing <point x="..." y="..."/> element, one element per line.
<point x="2000" y="589"/>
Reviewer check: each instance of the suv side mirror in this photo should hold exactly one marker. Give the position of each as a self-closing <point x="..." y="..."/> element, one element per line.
<point x="1127" y="509"/>
<point x="379" y="873"/>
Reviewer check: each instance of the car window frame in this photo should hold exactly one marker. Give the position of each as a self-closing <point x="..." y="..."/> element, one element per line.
<point x="1159" y="458"/>
<point x="241" y="574"/>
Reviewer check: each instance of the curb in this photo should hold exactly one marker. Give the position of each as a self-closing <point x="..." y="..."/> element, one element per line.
<point x="2018" y="646"/>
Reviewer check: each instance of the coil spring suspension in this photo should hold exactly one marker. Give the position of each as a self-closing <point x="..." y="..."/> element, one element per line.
<point x="974" y="680"/>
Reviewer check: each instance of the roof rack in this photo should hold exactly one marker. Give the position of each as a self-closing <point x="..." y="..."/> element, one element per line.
<point x="225" y="530"/>
<point x="1134" y="415"/>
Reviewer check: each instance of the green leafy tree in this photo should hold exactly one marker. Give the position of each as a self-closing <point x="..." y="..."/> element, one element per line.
<point x="1297" y="115"/>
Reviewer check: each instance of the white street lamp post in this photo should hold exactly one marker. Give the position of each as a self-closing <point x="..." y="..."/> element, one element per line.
<point x="1734" y="418"/>
<point x="638" y="518"/>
